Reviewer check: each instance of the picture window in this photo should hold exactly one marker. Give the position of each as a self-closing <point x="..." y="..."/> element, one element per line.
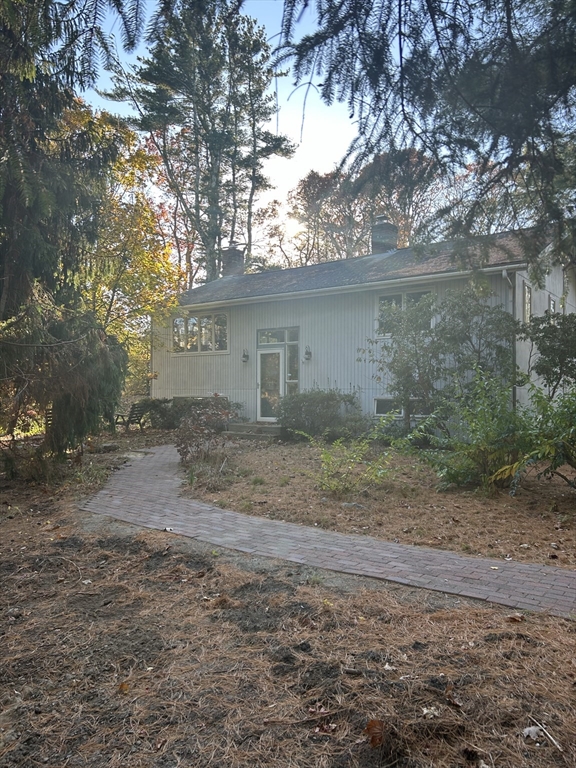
<point x="200" y="333"/>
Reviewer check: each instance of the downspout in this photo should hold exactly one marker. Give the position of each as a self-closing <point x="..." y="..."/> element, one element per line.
<point x="512" y="285"/>
<point x="151" y="364"/>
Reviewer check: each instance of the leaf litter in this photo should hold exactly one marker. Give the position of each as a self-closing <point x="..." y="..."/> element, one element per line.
<point x="407" y="507"/>
<point x="136" y="668"/>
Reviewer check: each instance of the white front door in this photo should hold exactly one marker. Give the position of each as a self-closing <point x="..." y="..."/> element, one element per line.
<point x="271" y="382"/>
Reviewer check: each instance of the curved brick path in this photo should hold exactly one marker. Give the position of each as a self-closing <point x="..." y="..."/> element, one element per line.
<point x="146" y="491"/>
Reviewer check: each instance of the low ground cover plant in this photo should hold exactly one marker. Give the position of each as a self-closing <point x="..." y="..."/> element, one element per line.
<point x="349" y="467"/>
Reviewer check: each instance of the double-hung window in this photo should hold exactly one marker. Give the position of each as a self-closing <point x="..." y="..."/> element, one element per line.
<point x="395" y="302"/>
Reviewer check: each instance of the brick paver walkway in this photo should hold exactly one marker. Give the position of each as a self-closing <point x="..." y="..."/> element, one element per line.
<point x="146" y="493"/>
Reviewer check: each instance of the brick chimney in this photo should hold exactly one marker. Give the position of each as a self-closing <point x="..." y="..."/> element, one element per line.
<point x="232" y="261"/>
<point x="384" y="235"/>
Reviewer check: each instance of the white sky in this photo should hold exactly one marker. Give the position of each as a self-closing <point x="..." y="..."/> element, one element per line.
<point x="321" y="133"/>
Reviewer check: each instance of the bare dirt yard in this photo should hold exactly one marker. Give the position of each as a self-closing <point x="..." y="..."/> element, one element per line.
<point x="140" y="649"/>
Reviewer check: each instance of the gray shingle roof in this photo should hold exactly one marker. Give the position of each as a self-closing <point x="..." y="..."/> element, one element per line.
<point x="440" y="258"/>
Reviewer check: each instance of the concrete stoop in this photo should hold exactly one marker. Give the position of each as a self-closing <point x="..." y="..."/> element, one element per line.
<point x="265" y="432"/>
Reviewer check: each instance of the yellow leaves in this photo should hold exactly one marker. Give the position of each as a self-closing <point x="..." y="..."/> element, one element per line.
<point x="131" y="272"/>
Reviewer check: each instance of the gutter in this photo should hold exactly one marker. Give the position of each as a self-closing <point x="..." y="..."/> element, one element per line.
<point x="318" y="292"/>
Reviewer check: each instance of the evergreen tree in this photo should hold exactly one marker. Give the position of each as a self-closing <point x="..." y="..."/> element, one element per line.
<point x="202" y="97"/>
<point x="489" y="84"/>
<point x="52" y="180"/>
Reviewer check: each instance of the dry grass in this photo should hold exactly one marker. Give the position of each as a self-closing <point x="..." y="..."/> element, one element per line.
<point x="135" y="649"/>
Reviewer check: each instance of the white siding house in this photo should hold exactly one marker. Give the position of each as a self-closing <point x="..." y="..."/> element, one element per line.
<point x="255" y="338"/>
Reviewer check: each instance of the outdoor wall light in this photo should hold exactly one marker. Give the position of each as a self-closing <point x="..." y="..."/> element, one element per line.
<point x="245" y="356"/>
<point x="307" y="353"/>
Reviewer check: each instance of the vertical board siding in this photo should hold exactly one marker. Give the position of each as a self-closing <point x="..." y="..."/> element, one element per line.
<point x="553" y="286"/>
<point x="335" y="327"/>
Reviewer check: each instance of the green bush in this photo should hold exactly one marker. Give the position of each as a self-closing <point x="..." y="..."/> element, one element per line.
<point x="159" y="412"/>
<point x="328" y="413"/>
<point x="349" y="468"/>
<point x="551" y="437"/>
<point x="390" y="430"/>
<point x="485" y="433"/>
<point x="169" y="414"/>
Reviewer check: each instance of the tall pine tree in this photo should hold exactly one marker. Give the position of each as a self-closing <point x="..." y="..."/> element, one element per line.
<point x="52" y="181"/>
<point x="202" y="97"/>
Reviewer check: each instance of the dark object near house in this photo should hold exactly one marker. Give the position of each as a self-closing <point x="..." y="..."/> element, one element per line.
<point x="135" y="415"/>
<point x="48" y="419"/>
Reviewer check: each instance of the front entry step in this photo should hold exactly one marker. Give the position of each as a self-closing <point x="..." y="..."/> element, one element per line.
<point x="254" y="431"/>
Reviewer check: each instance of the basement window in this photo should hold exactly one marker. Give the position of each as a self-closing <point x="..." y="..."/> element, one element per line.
<point x="384" y="405"/>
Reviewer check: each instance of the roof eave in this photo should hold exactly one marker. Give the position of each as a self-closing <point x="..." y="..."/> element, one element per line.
<point x="354" y="288"/>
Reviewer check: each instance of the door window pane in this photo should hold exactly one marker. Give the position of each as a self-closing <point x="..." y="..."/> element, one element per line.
<point x="269" y="384"/>
<point x="292" y="362"/>
<point x="292" y="334"/>
<point x="275" y="336"/>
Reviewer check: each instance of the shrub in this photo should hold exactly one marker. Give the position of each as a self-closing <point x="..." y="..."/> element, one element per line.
<point x="551" y="434"/>
<point x="485" y="434"/>
<point x="329" y="413"/>
<point x="349" y="468"/>
<point x="200" y="432"/>
<point x="389" y="430"/>
<point x="159" y="412"/>
<point x="168" y="414"/>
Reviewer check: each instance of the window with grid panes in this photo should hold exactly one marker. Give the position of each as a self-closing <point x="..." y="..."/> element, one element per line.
<point x="200" y="333"/>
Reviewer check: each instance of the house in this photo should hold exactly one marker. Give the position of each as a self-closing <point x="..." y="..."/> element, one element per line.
<point x="255" y="338"/>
